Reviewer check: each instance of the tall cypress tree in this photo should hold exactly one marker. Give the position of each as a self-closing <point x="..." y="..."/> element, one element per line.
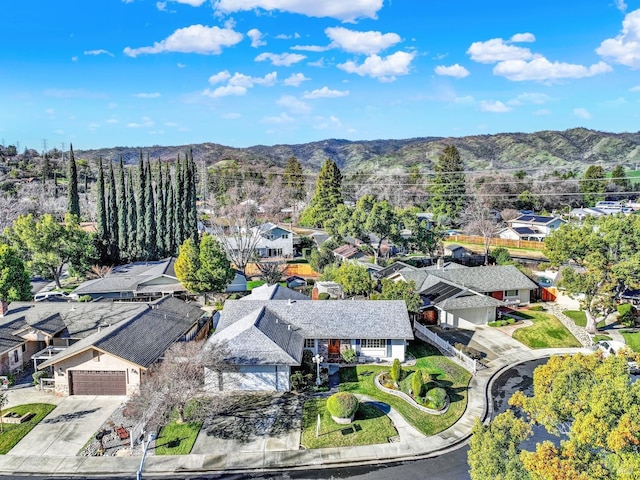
<point x="121" y="200"/>
<point x="448" y="191"/>
<point x="102" y="238"/>
<point x="73" y="200"/>
<point x="151" y="246"/>
<point x="191" y="208"/>
<point x="161" y="207"/>
<point x="132" y="219"/>
<point x="170" y="239"/>
<point x="141" y="212"/>
<point x="327" y="197"/>
<point x="112" y="218"/>
<point x="178" y="196"/>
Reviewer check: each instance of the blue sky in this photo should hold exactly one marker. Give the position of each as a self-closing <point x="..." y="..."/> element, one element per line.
<point x="247" y="72"/>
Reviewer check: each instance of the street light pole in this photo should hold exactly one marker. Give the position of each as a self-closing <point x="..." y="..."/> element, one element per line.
<point x="318" y="359"/>
<point x="152" y="437"/>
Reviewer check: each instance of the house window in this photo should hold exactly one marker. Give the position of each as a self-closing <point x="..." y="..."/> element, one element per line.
<point x="24" y="347"/>
<point x="373" y="343"/>
<point x="511" y="293"/>
<point x="285" y="235"/>
<point x="15" y="356"/>
<point x="309" y="343"/>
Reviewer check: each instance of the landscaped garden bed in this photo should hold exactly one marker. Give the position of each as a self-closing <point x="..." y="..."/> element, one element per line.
<point x="448" y="376"/>
<point x="546" y="332"/>
<point x="369" y="426"/>
<point x="14" y="432"/>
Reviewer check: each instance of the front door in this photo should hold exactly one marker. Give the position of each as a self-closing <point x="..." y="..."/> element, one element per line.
<point x="334" y="346"/>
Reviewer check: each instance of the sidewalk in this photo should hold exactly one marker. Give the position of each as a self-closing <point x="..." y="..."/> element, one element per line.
<point x="420" y="447"/>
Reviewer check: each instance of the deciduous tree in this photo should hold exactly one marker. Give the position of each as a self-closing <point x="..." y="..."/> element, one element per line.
<point x="400" y="291"/>
<point x="203" y="268"/>
<point x="14" y="279"/>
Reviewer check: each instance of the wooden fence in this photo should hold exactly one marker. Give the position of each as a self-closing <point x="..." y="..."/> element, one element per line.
<point x="497" y="242"/>
<point x="299" y="269"/>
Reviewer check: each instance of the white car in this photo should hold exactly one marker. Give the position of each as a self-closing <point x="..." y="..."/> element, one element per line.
<point x="40" y="296"/>
<point x="612" y="347"/>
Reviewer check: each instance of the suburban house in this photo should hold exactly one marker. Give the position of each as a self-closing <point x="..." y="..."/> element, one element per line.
<point x="114" y="359"/>
<point x="141" y="281"/>
<point x="467" y="296"/>
<point x="349" y="252"/>
<point x="530" y="227"/>
<point x="274" y="241"/>
<point x="266" y="338"/>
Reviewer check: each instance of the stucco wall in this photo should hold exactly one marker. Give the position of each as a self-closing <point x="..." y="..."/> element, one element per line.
<point x="474" y="316"/>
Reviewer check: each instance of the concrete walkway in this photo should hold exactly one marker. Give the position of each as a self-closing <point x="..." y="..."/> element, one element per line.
<point x="420" y="447"/>
<point x="406" y="432"/>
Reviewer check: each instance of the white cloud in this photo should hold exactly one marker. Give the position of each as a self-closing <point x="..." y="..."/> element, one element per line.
<point x="494" y="107"/>
<point x="497" y="50"/>
<point x="366" y="43"/>
<point x="282" y="59"/>
<point x="144" y="123"/>
<point x="621" y="5"/>
<point x="541" y="69"/>
<point x="147" y="95"/>
<point x="219" y="77"/>
<point x="625" y="47"/>
<point x="635" y="89"/>
<point x="582" y="113"/>
<point x="523" y="37"/>
<point x="456" y="71"/>
<point x="279" y="120"/>
<point x="162" y="6"/>
<point x="292" y="104"/>
<point x="317" y="63"/>
<point x="193" y="3"/>
<point x="181" y="65"/>
<point x="466" y="100"/>
<point x="382" y="68"/>
<point x="238" y="84"/>
<point x="192" y="39"/>
<point x="171" y="124"/>
<point x="312" y="48"/>
<point x="327" y="122"/>
<point x="542" y="111"/>
<point x="256" y="38"/>
<point x="284" y="36"/>
<point x="74" y="58"/>
<point x="98" y="52"/>
<point x="111" y="120"/>
<point x="345" y="10"/>
<point x="295" y="80"/>
<point x="529" y="99"/>
<point x="325" y="92"/>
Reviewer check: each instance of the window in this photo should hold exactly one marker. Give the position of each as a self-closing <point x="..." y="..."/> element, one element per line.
<point x="511" y="293"/>
<point x="285" y="235"/>
<point x="373" y="343"/>
<point x="309" y="343"/>
<point x="24" y="347"/>
<point x="15" y="356"/>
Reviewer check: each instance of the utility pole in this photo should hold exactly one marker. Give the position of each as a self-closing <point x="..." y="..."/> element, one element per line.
<point x="44" y="147"/>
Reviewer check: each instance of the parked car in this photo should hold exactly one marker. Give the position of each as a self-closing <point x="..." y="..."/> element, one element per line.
<point x="51" y="295"/>
<point x="612" y="347"/>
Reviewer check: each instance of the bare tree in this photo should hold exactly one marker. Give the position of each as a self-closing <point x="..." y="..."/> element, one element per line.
<point x="478" y="220"/>
<point x="272" y="271"/>
<point x="509" y="214"/>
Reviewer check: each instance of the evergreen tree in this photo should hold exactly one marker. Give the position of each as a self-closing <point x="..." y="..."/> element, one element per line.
<point x="593" y="185"/>
<point x="619" y="178"/>
<point x="132" y="220"/>
<point x="170" y="210"/>
<point x="191" y="207"/>
<point x="203" y="267"/>
<point x="293" y="180"/>
<point x="102" y="238"/>
<point x="121" y="201"/>
<point x="151" y="247"/>
<point x="112" y="218"/>
<point x="141" y="212"/>
<point x="161" y="208"/>
<point x="178" y="198"/>
<point x="15" y="284"/>
<point x="327" y="197"/>
<point x="448" y="188"/>
<point x="73" y="200"/>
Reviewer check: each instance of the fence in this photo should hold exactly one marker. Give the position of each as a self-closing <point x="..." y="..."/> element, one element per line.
<point x="298" y="269"/>
<point x="497" y="242"/>
<point x="446" y="348"/>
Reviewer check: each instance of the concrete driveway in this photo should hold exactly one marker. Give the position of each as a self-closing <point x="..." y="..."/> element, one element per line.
<point x="489" y="340"/>
<point x="67" y="428"/>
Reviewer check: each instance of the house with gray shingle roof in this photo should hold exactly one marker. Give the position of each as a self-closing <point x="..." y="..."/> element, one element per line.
<point x="266" y="338"/>
<point x="114" y="359"/>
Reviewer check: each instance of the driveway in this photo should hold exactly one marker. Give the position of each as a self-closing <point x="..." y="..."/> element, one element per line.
<point x="67" y="428"/>
<point x="488" y="340"/>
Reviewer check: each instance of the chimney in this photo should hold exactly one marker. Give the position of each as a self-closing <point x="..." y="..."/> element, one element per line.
<point x="440" y="264"/>
<point x="4" y="308"/>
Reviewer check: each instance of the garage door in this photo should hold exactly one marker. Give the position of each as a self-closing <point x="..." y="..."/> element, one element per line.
<point x="90" y="382"/>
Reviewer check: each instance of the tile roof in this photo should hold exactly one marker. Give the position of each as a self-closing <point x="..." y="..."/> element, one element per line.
<point x="143" y="337"/>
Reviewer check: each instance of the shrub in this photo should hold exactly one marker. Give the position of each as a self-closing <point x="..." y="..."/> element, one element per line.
<point x="342" y="404"/>
<point x="537" y="308"/>
<point x="436" y="398"/>
<point x="491" y="324"/>
<point x="511" y="321"/>
<point x="300" y="382"/>
<point x="416" y="383"/>
<point x="626" y="316"/>
<point x="426" y="377"/>
<point x="349" y="355"/>
<point x="85" y="298"/>
<point x="307" y="363"/>
<point x="39" y="375"/>
<point x="324" y="296"/>
<point x="396" y="370"/>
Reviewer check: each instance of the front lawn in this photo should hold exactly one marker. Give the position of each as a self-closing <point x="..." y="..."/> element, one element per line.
<point x="546" y="332"/>
<point x="632" y="339"/>
<point x="13" y="433"/>
<point x="580" y="318"/>
<point x="453" y="378"/>
<point x="370" y="426"/>
<point x="177" y="438"/>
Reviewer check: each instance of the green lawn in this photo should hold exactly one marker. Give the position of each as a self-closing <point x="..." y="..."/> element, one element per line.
<point x="13" y="433"/>
<point x="597" y="338"/>
<point x="455" y="379"/>
<point x="633" y="340"/>
<point x="370" y="426"/>
<point x="580" y="318"/>
<point x="546" y="332"/>
<point x="257" y="283"/>
<point x="177" y="438"/>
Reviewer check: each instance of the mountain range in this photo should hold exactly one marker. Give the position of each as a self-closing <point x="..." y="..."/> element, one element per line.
<point x="573" y="149"/>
